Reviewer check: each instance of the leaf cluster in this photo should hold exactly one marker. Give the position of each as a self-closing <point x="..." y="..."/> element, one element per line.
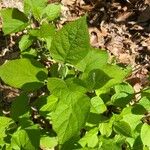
<point x="83" y="101"/>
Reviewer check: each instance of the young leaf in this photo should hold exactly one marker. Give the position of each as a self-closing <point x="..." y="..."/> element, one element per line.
<point x="73" y="109"/>
<point x="23" y="73"/>
<point x="145" y="103"/>
<point x="98" y="74"/>
<point x="34" y="7"/>
<point x="25" y="139"/>
<point x="130" y="117"/>
<point x="4" y="125"/>
<point x="117" y="75"/>
<point x="25" y="42"/>
<point x="145" y="134"/>
<point x="97" y="105"/>
<point x="13" y="20"/>
<point x="52" y="11"/>
<point x="95" y="79"/>
<point x="49" y="106"/>
<point x="124" y="87"/>
<point x="105" y="128"/>
<point x="122" y="128"/>
<point x="45" y="31"/>
<point x="109" y="144"/>
<point x="29" y="53"/>
<point x="124" y="94"/>
<point x="95" y="59"/>
<point x="90" y="139"/>
<point x="48" y="142"/>
<point x="71" y="43"/>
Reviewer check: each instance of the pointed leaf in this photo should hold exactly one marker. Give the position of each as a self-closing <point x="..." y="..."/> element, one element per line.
<point x="123" y="128"/>
<point x="73" y="109"/>
<point x="95" y="59"/>
<point x="25" y="42"/>
<point x="121" y="99"/>
<point x="90" y="139"/>
<point x="34" y="7"/>
<point x="97" y="105"/>
<point x="57" y="86"/>
<point x="45" y="31"/>
<point x="71" y="43"/>
<point x="13" y="20"/>
<point x="47" y="142"/>
<point x="109" y="144"/>
<point x="25" y="139"/>
<point x="124" y="87"/>
<point x="105" y="128"/>
<point x="145" y="103"/>
<point x="52" y="11"/>
<point x="130" y="117"/>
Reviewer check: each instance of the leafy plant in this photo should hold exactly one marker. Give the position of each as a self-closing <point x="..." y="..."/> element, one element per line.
<point x="83" y="102"/>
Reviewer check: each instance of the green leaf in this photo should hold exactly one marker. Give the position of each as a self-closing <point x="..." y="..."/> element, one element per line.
<point x="146" y="148"/>
<point x="117" y="75"/>
<point x="48" y="142"/>
<point x="97" y="105"/>
<point x="95" y="119"/>
<point x="45" y="31"/>
<point x="73" y="109"/>
<point x="95" y="79"/>
<point x="29" y="53"/>
<point x="25" y="139"/>
<point x="145" y="134"/>
<point x="121" y="99"/>
<point x="57" y="86"/>
<point x="124" y="87"/>
<point x="34" y="7"/>
<point x="105" y="128"/>
<point x="109" y="144"/>
<point x="23" y="73"/>
<point x="52" y="11"/>
<point x="95" y="59"/>
<point x="146" y="92"/>
<point x="49" y="106"/>
<point x="4" y="125"/>
<point x="17" y="105"/>
<point x="145" y="103"/>
<point x="71" y="43"/>
<point x="72" y="103"/>
<point x="138" y="143"/>
<point x="130" y="117"/>
<point x="13" y="20"/>
<point x="124" y="94"/>
<point x="25" y="42"/>
<point x="90" y="139"/>
<point x="98" y="74"/>
<point x="123" y="128"/>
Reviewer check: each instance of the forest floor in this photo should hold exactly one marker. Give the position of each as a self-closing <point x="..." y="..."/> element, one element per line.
<point x="122" y="27"/>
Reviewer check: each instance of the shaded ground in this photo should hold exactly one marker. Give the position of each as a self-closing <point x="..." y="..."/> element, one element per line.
<point x="121" y="27"/>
